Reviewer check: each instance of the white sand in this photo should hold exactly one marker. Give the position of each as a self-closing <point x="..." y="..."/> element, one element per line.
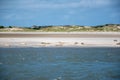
<point x="61" y="42"/>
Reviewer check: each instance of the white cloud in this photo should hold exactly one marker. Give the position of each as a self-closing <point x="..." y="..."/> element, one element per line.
<point x="15" y="16"/>
<point x="71" y="4"/>
<point x="94" y="3"/>
<point x="53" y="4"/>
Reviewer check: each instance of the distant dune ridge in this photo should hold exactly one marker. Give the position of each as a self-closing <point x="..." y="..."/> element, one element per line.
<point x="63" y="28"/>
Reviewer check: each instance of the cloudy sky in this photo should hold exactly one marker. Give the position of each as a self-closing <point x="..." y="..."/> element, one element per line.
<point x="59" y="12"/>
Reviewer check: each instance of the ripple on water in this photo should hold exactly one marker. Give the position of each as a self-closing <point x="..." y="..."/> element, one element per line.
<point x="59" y="63"/>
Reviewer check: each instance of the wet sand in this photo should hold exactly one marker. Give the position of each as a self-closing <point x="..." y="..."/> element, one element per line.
<point x="58" y="39"/>
<point x="59" y="34"/>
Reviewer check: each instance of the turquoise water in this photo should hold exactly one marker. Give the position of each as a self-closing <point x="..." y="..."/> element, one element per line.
<point x="59" y="63"/>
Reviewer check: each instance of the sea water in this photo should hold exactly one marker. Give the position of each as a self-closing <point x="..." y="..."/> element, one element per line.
<point x="59" y="63"/>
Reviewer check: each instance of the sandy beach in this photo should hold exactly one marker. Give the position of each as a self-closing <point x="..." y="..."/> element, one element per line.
<point x="59" y="39"/>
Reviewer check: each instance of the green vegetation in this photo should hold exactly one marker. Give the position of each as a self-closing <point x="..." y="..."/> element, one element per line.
<point x="10" y="26"/>
<point x="65" y="28"/>
<point x="1" y="27"/>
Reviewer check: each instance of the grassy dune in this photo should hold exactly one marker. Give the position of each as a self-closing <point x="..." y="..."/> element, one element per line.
<point x="67" y="28"/>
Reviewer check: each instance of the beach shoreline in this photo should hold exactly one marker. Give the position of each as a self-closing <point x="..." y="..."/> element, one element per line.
<point x="59" y="39"/>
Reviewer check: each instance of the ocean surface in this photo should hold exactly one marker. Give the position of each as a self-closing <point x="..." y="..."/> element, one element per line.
<point x="59" y="63"/>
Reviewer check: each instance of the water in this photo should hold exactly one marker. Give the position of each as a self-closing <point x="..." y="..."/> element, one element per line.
<point x="59" y="63"/>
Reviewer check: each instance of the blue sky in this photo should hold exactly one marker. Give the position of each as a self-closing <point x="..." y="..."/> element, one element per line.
<point x="59" y="12"/>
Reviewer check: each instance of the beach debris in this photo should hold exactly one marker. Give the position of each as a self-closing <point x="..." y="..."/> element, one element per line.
<point x="82" y="43"/>
<point x="45" y="43"/>
<point x="115" y="40"/>
<point x="60" y="44"/>
<point x="76" y="43"/>
<point x="118" y="43"/>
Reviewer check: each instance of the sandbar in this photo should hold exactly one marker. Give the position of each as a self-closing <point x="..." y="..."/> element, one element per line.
<point x="59" y="39"/>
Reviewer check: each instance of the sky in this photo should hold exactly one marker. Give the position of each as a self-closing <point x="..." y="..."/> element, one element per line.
<point x="59" y="12"/>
